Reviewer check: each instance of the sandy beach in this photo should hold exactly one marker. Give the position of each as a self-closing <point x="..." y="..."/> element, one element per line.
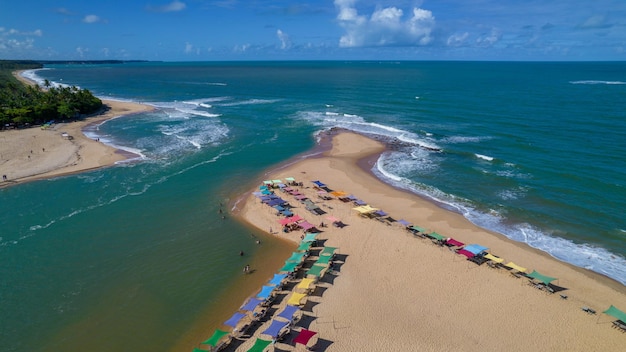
<point x="398" y="292"/>
<point x="35" y="153"/>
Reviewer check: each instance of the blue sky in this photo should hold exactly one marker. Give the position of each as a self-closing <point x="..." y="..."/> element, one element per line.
<point x="203" y="30"/>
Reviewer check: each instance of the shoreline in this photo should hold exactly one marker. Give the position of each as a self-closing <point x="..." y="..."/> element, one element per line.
<point x="35" y="154"/>
<point x="347" y="167"/>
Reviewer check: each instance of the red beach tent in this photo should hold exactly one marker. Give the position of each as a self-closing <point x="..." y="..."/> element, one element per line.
<point x="304" y="336"/>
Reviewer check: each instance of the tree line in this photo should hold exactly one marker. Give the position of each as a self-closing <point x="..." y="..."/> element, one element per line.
<point x="24" y="105"/>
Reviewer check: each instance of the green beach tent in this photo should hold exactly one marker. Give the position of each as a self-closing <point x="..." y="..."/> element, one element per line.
<point x="289" y="267"/>
<point x="316" y="270"/>
<point x="259" y="345"/>
<point x="543" y="278"/>
<point x="324" y="260"/>
<point x="217" y="336"/>
<point x="436" y="236"/>
<point x="328" y="251"/>
<point x="616" y="313"/>
<point x="304" y="246"/>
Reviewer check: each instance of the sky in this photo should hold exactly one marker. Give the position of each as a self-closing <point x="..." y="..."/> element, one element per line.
<point x="212" y="30"/>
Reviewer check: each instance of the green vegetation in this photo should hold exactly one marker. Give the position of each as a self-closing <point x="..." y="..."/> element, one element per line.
<point x="24" y="105"/>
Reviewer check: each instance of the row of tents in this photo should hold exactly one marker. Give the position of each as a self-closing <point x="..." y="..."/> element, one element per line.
<point x="476" y="253"/>
<point x="255" y="308"/>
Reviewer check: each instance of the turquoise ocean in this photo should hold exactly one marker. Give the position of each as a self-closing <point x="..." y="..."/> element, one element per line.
<point x="133" y="253"/>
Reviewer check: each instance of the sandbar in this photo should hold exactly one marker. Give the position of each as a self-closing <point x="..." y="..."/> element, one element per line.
<point x="398" y="292"/>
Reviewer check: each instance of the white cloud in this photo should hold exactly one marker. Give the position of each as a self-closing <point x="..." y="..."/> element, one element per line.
<point x="188" y="48"/>
<point x="386" y="26"/>
<point x="595" y="21"/>
<point x="489" y="39"/>
<point x="81" y="51"/>
<point x="91" y="19"/>
<point x="457" y="39"/>
<point x="174" y="6"/>
<point x="285" y="43"/>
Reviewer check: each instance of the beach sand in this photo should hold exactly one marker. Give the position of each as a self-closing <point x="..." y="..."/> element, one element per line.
<point x="398" y="292"/>
<point x="34" y="153"/>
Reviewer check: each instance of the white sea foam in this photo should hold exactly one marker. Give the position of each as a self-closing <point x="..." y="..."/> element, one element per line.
<point x="465" y="139"/>
<point x="597" y="82"/>
<point x="251" y="102"/>
<point x="484" y="157"/>
<point x="583" y="255"/>
<point x="358" y="124"/>
<point x="33" y="76"/>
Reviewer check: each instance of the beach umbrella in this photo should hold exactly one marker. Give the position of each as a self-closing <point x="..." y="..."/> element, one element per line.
<point x="259" y="345"/>
<point x="304" y="336"/>
<point x="493" y="258"/>
<point x="404" y="222"/>
<point x="217" y="336"/>
<point x="476" y="249"/>
<point x="290" y="179"/>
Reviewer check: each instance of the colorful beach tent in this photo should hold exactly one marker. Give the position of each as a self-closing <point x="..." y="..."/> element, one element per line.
<point x="616" y="313"/>
<point x="332" y="218"/>
<point x="217" y="336"/>
<point x="323" y="260"/>
<point x="306" y="225"/>
<point x="284" y="221"/>
<point x="319" y="184"/>
<point x="304" y="246"/>
<point x="251" y="304"/>
<point x="290" y="179"/>
<point x="468" y="254"/>
<point x="277" y="279"/>
<point x="296" y="257"/>
<point x="305" y="284"/>
<point x="436" y="236"/>
<point x="380" y="213"/>
<point x="453" y="242"/>
<point x="259" y="345"/>
<point x="316" y="271"/>
<point x="339" y="194"/>
<point x="288" y="312"/>
<point x="365" y="209"/>
<point x="266" y="292"/>
<point x="475" y="249"/>
<point x="328" y="251"/>
<point x="515" y="267"/>
<point x="493" y="258"/>
<point x="418" y="229"/>
<point x="289" y="267"/>
<point x="309" y="237"/>
<point x="235" y="319"/>
<point x="274" y="329"/>
<point x="296" y="298"/>
<point x="543" y="278"/>
<point x="403" y="222"/>
<point x="304" y="336"/>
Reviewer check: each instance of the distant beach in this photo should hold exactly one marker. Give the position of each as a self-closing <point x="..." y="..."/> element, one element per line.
<point x="396" y="291"/>
<point x="62" y="148"/>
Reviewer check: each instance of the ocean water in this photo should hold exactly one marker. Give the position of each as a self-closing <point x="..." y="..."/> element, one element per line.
<point x="133" y="253"/>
